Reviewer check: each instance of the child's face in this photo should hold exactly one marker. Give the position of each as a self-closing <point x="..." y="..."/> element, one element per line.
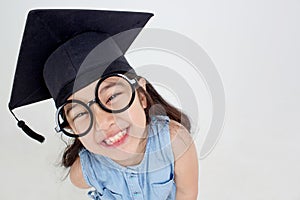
<point x="120" y="136"/>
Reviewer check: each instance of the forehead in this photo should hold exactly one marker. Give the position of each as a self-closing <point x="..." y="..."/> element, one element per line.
<point x="88" y="92"/>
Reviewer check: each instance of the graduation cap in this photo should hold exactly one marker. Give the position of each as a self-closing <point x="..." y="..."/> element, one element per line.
<point x="63" y="50"/>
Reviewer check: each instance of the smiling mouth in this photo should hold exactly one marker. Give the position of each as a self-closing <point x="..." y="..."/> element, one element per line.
<point x="116" y="139"/>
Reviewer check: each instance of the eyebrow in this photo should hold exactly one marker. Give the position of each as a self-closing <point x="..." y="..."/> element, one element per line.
<point x="111" y="85"/>
<point x="70" y="108"/>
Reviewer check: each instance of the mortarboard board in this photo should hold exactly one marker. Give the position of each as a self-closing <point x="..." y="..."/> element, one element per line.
<point x="63" y="50"/>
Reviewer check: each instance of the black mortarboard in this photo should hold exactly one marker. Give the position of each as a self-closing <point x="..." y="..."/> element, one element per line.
<point x="64" y="50"/>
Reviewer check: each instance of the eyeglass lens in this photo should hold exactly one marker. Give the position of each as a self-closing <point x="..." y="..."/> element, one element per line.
<point x="114" y="93"/>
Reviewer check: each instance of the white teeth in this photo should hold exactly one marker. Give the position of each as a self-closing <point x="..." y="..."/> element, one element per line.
<point x="115" y="138"/>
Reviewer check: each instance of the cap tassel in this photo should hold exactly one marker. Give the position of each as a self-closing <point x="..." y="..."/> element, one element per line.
<point x="28" y="130"/>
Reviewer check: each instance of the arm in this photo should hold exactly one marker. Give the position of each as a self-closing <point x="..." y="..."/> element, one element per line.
<point x="186" y="162"/>
<point x="76" y="175"/>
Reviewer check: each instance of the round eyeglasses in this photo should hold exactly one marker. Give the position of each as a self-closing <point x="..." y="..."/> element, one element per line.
<point x="114" y="94"/>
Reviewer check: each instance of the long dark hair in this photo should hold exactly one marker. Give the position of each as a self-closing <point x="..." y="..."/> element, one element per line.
<point x="156" y="105"/>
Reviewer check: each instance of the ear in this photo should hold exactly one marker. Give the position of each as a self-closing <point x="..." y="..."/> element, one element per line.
<point x="142" y="83"/>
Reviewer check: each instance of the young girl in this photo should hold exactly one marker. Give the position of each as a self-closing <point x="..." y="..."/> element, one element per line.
<point x="129" y="142"/>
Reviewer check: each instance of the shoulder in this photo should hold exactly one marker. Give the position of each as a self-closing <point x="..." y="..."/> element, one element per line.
<point x="181" y="139"/>
<point x="179" y="132"/>
<point x="186" y="161"/>
<point x="76" y="175"/>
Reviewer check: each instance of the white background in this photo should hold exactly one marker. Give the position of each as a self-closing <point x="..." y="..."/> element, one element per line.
<point x="255" y="46"/>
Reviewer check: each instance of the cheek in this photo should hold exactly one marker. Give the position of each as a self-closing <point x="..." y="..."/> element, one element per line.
<point x="87" y="141"/>
<point x="137" y="115"/>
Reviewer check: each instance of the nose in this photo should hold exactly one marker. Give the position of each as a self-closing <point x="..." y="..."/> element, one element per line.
<point x="103" y="120"/>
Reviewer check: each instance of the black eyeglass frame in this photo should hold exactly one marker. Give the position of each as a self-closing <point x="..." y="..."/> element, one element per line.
<point x="60" y="126"/>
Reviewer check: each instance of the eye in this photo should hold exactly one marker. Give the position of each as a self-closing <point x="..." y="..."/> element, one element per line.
<point x="80" y="115"/>
<point x="112" y="97"/>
